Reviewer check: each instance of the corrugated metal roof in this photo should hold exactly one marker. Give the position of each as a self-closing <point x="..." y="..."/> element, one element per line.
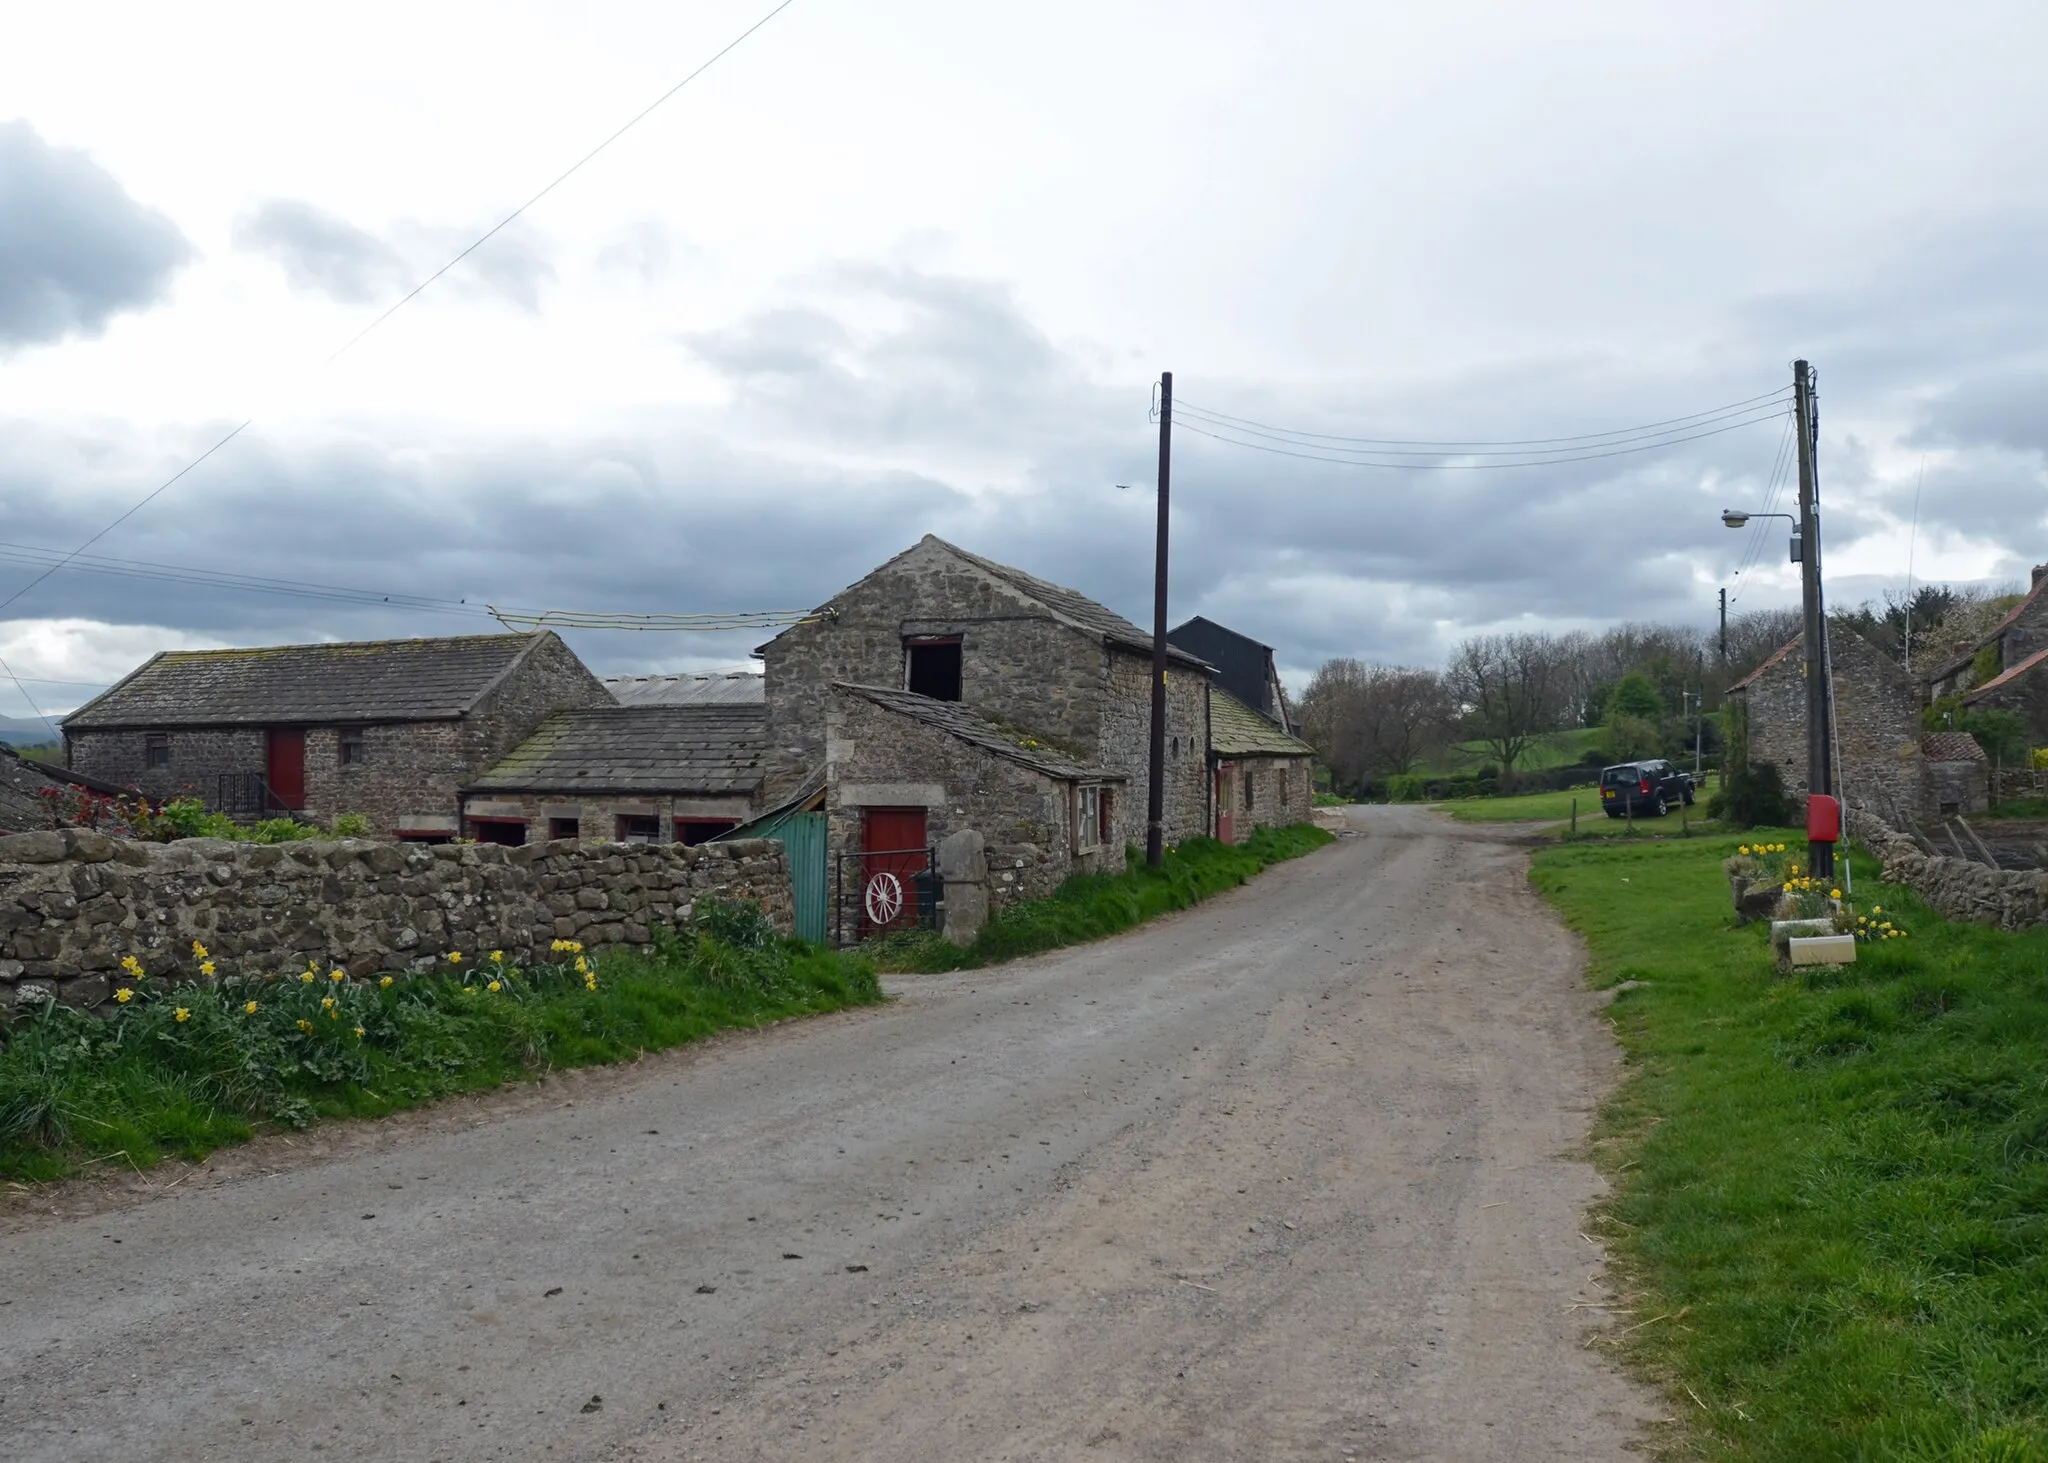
<point x="726" y="688"/>
<point x="435" y="679"/>
<point x="957" y="721"/>
<point x="648" y="749"/>
<point x="1235" y="730"/>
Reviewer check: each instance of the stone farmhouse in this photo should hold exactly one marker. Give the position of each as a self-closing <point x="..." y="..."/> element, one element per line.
<point x="1263" y="775"/>
<point x="1885" y="760"/>
<point x="2010" y="650"/>
<point x="1244" y="667"/>
<point x="391" y="729"/>
<point x="1027" y="666"/>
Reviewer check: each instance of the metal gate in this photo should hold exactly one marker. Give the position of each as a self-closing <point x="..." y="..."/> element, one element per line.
<point x="883" y="890"/>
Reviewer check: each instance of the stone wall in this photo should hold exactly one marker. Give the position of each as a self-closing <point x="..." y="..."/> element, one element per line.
<point x="1960" y="889"/>
<point x="1272" y="792"/>
<point x="1877" y="723"/>
<point x="73" y="903"/>
<point x="199" y="756"/>
<point x="1127" y="743"/>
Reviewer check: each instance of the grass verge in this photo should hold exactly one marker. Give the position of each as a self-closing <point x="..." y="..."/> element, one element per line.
<point x="1090" y="906"/>
<point x="1831" y="1190"/>
<point x="251" y="1049"/>
<point x="1556" y="807"/>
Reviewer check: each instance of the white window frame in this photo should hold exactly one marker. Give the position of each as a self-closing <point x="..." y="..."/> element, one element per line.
<point x="1087" y="805"/>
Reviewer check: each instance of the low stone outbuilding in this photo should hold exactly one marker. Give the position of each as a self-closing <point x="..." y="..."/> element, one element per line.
<point x="631" y="774"/>
<point x="903" y="772"/>
<point x="1958" y="774"/>
<point x="1263" y="775"/>
<point x="390" y="729"/>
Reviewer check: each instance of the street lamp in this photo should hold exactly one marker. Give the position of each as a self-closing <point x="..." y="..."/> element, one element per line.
<point x="1739" y="518"/>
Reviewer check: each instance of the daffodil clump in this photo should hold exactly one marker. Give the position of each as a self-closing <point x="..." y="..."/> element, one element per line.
<point x="1764" y="863"/>
<point x="1873" y="926"/>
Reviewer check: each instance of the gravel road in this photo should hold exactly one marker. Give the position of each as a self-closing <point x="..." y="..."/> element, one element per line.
<point x="1291" y="1175"/>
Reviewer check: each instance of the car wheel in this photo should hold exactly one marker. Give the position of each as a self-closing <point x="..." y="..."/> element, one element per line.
<point x="1659" y="808"/>
<point x="1690" y="795"/>
<point x="1612" y="814"/>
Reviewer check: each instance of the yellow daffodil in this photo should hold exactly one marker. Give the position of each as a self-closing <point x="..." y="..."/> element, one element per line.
<point x="359" y="1033"/>
<point x="1834" y="894"/>
<point x="181" y="1014"/>
<point x="304" y="1024"/>
<point x="384" y="984"/>
<point x="454" y="957"/>
<point x="1744" y="849"/>
<point x="206" y="969"/>
<point x="124" y="995"/>
<point x="1877" y="909"/>
<point x="337" y="975"/>
<point x="494" y="987"/>
<point x="497" y="957"/>
<point x="133" y="966"/>
<point x="249" y="1009"/>
<point x="199" y="951"/>
<point x="305" y="977"/>
<point x="327" y="1004"/>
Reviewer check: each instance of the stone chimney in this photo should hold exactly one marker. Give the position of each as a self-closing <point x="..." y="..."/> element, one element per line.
<point x="2039" y="570"/>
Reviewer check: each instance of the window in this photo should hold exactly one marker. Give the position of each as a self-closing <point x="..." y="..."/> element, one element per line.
<point x="932" y="668"/>
<point x="1104" y="824"/>
<point x="349" y="745"/>
<point x="693" y="831"/>
<point x="639" y="828"/>
<point x="1283" y="788"/>
<point x="1248" y="786"/>
<point x="156" y="749"/>
<point x="1087" y="818"/>
<point x="564" y="828"/>
<point x="511" y="832"/>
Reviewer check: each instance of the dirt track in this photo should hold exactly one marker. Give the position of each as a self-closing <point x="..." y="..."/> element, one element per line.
<point x="1288" y="1176"/>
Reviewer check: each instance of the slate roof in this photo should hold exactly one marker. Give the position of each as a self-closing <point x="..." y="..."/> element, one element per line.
<point x="1235" y="730"/>
<point x="1952" y="747"/>
<point x="2011" y="618"/>
<point x="637" y="749"/>
<point x="436" y="679"/>
<point x="1070" y="606"/>
<point x="2005" y="678"/>
<point x="727" y="688"/>
<point x="956" y="720"/>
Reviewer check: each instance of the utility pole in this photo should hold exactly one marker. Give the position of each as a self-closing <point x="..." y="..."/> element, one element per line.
<point x="1155" y="792"/>
<point x="1813" y="637"/>
<point x="1724" y="631"/>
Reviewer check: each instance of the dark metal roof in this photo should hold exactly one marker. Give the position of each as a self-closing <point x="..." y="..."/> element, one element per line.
<point x="956" y="720"/>
<point x="373" y="680"/>
<point x="1069" y="605"/>
<point x="1244" y="666"/>
<point x="727" y="688"/>
<point x="641" y="749"/>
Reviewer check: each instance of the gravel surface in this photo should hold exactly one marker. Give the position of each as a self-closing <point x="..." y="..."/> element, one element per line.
<point x="1292" y="1175"/>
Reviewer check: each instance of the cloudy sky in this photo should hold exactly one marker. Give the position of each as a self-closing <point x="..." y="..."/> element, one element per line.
<point x="907" y="266"/>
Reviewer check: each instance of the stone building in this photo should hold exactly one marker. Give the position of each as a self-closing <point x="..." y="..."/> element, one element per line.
<point x="1037" y="659"/>
<point x="1882" y="756"/>
<point x="904" y="771"/>
<point x="629" y="774"/>
<point x="2021" y="636"/>
<point x="1244" y="667"/>
<point x="1958" y="774"/>
<point x="2021" y="688"/>
<point x="391" y="729"/>
<point x="1262" y="774"/>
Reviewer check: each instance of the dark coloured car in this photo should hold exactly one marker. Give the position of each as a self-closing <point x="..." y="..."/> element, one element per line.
<point x="1644" y="789"/>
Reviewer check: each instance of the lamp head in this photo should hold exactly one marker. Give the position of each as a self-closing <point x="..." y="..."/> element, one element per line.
<point x="1733" y="519"/>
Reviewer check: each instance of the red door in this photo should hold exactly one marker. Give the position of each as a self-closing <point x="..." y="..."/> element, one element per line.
<point x="286" y="772"/>
<point x="893" y="849"/>
<point x="1226" y="801"/>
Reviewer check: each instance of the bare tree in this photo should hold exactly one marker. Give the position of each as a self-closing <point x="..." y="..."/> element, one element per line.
<point x="1512" y="691"/>
<point x="1755" y="637"/>
<point x="1375" y="720"/>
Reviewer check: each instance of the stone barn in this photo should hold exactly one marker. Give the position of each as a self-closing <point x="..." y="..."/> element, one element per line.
<point x="1263" y="776"/>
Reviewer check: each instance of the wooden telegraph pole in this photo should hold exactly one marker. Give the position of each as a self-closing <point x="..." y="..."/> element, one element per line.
<point x="1813" y="637"/>
<point x="1155" y="791"/>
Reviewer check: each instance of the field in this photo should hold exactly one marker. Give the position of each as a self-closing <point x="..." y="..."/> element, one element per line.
<point x="1830" y="1211"/>
<point x="1556" y="808"/>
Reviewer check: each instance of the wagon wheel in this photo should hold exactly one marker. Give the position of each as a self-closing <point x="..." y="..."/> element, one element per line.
<point x="884" y="899"/>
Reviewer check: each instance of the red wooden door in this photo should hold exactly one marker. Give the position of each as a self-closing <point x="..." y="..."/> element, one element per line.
<point x="893" y="849"/>
<point x="286" y="768"/>
<point x="1226" y="801"/>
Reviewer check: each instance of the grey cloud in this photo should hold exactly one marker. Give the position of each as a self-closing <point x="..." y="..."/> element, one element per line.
<point x="75" y="248"/>
<point x="326" y="254"/>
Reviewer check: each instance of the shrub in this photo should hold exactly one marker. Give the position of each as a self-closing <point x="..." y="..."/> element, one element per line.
<point x="351" y="825"/>
<point x="1753" y="796"/>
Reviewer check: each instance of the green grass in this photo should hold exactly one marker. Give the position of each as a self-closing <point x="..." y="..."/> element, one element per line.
<point x="1558" y="750"/>
<point x="77" y="1089"/>
<point x="1556" y="808"/>
<point x="1091" y="906"/>
<point x="1831" y="1191"/>
<point x="2018" y="808"/>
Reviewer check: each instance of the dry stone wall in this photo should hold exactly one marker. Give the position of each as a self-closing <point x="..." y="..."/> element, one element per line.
<point x="73" y="903"/>
<point x="1960" y="889"/>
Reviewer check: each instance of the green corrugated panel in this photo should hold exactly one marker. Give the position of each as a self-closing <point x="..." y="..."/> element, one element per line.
<point x="802" y="836"/>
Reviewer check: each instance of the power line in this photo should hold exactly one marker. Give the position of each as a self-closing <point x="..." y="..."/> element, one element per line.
<point x="1620" y="451"/>
<point x="412" y="293"/>
<point x="601" y="620"/>
<point x="1450" y="444"/>
<point x="1774" y="486"/>
<point x="1652" y="438"/>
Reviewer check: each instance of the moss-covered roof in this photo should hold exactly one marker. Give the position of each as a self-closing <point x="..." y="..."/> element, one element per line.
<point x="713" y="750"/>
<point x="1235" y="730"/>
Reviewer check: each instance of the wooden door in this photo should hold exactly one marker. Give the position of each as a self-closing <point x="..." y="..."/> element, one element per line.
<point x="1226" y="802"/>
<point x="893" y="850"/>
<point x="286" y="769"/>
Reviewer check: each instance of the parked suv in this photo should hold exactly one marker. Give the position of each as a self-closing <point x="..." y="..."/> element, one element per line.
<point x="1644" y="789"/>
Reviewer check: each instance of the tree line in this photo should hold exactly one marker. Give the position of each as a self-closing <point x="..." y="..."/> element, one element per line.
<point x="1511" y="693"/>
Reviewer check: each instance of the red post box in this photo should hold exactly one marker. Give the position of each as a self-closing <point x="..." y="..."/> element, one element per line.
<point x="1823" y="819"/>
